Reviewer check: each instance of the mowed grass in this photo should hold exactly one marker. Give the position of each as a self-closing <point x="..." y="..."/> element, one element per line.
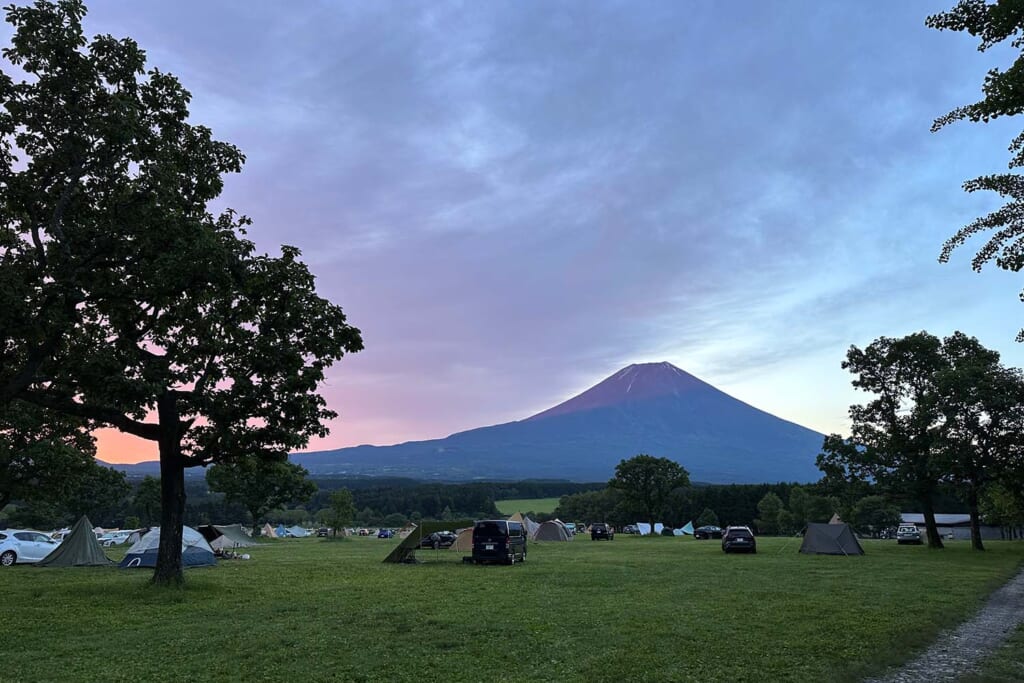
<point x="657" y="609"/>
<point x="514" y="505"/>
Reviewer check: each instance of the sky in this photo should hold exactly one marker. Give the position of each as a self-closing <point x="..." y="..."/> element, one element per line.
<point x="513" y="200"/>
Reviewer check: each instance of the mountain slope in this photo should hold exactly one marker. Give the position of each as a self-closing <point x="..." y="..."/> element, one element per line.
<point x="653" y="408"/>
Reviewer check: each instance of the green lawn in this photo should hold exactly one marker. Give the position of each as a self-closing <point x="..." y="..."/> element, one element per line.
<point x="658" y="609"/>
<point x="512" y="506"/>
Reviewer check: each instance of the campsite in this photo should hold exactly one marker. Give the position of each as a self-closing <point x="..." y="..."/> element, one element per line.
<point x="663" y="609"/>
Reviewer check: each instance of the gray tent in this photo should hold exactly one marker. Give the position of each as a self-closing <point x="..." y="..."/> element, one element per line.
<point x="79" y="549"/>
<point x="552" y="531"/>
<point x="225" y="537"/>
<point x="830" y="539"/>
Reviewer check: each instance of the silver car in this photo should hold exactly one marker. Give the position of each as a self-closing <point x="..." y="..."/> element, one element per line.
<point x="908" y="533"/>
<point x="23" y="546"/>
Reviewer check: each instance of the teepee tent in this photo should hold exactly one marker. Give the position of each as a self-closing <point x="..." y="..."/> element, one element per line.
<point x="531" y="527"/>
<point x="518" y="517"/>
<point x="830" y="539"/>
<point x="195" y="551"/>
<point x="268" y="531"/>
<point x="552" y="531"/>
<point x="79" y="549"/>
<point x="225" y="537"/>
<point x="464" y="540"/>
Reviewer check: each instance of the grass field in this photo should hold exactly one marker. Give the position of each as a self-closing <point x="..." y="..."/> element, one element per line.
<point x="512" y="506"/>
<point x="1006" y="665"/>
<point x="658" y="609"/>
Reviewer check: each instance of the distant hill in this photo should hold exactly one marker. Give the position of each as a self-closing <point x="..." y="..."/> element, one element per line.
<point x="653" y="408"/>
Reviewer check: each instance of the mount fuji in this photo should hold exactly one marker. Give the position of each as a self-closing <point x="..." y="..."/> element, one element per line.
<point x="652" y="408"/>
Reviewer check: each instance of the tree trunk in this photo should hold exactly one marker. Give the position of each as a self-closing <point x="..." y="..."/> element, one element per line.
<point x="934" y="540"/>
<point x="169" y="571"/>
<point x="972" y="502"/>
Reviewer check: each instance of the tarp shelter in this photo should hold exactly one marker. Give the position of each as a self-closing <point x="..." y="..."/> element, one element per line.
<point x="79" y="549"/>
<point x="268" y="531"/>
<point x="830" y="539"/>
<point x="195" y="551"/>
<point x="225" y="537"/>
<point x="685" y="531"/>
<point x="645" y="529"/>
<point x="464" y="540"/>
<point x="297" y="532"/>
<point x="406" y="550"/>
<point x="552" y="531"/>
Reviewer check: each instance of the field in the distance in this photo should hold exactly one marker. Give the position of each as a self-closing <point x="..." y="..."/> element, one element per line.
<point x="512" y="506"/>
<point x="660" y="609"/>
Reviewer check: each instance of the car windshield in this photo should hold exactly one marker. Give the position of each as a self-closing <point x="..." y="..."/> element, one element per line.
<point x="739" y="533"/>
<point x="489" y="529"/>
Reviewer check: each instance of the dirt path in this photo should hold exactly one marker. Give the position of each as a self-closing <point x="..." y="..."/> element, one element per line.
<point x="957" y="652"/>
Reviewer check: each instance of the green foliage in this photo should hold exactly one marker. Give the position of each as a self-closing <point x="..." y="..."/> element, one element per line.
<point x="768" y="509"/>
<point x="147" y="501"/>
<point x="992" y="24"/>
<point x="343" y="509"/>
<point x="260" y="485"/>
<point x="707" y="517"/>
<point x="647" y="482"/>
<point x="872" y="514"/>
<point x="123" y="293"/>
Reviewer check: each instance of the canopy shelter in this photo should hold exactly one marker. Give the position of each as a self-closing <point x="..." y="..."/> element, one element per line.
<point x="552" y="531"/>
<point x="830" y="539"/>
<point x="405" y="552"/>
<point x="195" y="551"/>
<point x="79" y="549"/>
<point x="226" y="537"/>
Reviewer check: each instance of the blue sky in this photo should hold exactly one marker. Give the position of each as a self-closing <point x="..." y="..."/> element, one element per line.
<point x="514" y="200"/>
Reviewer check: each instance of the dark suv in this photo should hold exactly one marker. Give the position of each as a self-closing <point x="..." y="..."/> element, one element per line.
<point x="498" y="540"/>
<point x="738" y="539"/>
<point x="601" y="531"/>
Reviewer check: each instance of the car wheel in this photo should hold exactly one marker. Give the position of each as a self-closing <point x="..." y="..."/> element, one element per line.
<point x="8" y="558"/>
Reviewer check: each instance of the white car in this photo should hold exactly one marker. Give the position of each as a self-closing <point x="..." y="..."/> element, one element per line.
<point x="114" y="538"/>
<point x="22" y="545"/>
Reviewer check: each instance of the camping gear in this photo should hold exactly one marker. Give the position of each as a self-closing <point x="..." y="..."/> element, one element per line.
<point x="79" y="549"/>
<point x="830" y="539"/>
<point x="195" y="551"/>
<point x="281" y="531"/>
<point x="531" y="527"/>
<point x="464" y="540"/>
<point x="552" y="531"/>
<point x="685" y="531"/>
<point x="645" y="529"/>
<point x="268" y="531"/>
<point x="405" y="552"/>
<point x="297" y="532"/>
<point x="221" y="537"/>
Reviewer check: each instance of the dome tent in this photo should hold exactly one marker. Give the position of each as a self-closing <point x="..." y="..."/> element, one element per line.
<point x="195" y="551"/>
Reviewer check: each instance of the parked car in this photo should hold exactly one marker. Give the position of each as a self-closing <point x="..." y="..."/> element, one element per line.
<point x="571" y="527"/>
<point x="709" y="531"/>
<point x="23" y="545"/>
<point x="498" y="540"/>
<point x="908" y="533"/>
<point x="114" y="538"/>
<point x="385" y="533"/>
<point x="322" y="532"/>
<point x="631" y="529"/>
<point x="738" y="538"/>
<point x="599" y="531"/>
<point x="438" y="540"/>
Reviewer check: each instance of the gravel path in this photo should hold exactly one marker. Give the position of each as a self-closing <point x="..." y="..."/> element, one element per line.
<point x="962" y="650"/>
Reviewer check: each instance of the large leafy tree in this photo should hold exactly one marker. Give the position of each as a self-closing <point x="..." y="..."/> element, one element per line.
<point x="647" y="482"/>
<point x="343" y="509"/>
<point x="260" y="485"/>
<point x="124" y="295"/>
<point x="993" y="23"/>
<point x="896" y="438"/>
<point x="982" y="404"/>
<point x="42" y="458"/>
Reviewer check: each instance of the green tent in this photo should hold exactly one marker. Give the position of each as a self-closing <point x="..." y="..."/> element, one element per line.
<point x="79" y="549"/>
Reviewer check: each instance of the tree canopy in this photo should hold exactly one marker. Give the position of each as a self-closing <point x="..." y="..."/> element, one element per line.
<point x="124" y="295"/>
<point x="648" y="481"/>
<point x="260" y="485"/>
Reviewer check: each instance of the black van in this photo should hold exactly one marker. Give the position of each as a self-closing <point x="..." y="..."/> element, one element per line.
<point x="496" y="540"/>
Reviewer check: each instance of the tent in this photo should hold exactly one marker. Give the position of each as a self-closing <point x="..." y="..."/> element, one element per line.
<point x="645" y="529"/>
<point x="464" y="540"/>
<point x="685" y="531"/>
<point x="226" y="537"/>
<point x="281" y="531"/>
<point x="136" y="535"/>
<point x="297" y="532"/>
<point x="79" y="549"/>
<point x="268" y="531"/>
<point x="552" y="531"/>
<point x="195" y="551"/>
<point x="830" y="539"/>
<point x="531" y="527"/>
<point x="836" y="519"/>
<point x="518" y="517"/>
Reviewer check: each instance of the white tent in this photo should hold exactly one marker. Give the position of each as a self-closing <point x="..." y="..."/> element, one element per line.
<point x="268" y="531"/>
<point x="645" y="529"/>
<point x="195" y="551"/>
<point x="297" y="531"/>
